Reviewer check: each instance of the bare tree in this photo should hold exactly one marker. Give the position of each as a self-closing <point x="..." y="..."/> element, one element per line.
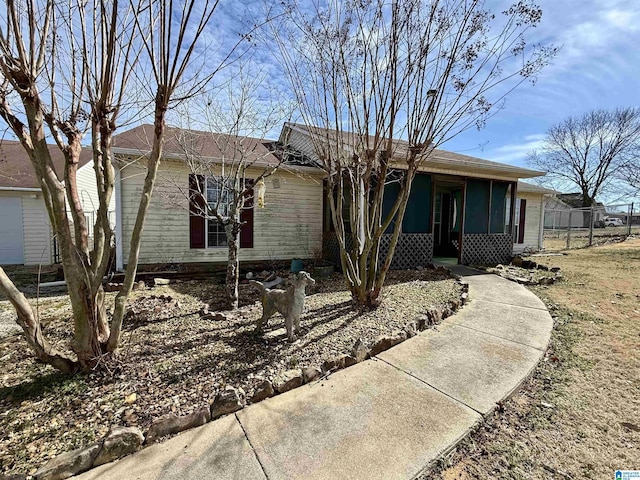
<point x="231" y="159"/>
<point x="55" y="84"/>
<point x="366" y="72"/>
<point x="65" y="67"/>
<point x="592" y="152"/>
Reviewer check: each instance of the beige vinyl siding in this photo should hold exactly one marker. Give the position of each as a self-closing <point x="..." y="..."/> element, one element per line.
<point x="532" y="222"/>
<point x="88" y="192"/>
<point x="289" y="226"/>
<point x="36" y="230"/>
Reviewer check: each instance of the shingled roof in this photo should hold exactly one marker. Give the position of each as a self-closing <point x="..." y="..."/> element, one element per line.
<point x="179" y="143"/>
<point x="438" y="158"/>
<point x="16" y="170"/>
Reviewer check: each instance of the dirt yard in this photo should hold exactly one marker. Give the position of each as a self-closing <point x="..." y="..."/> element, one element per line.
<point x="175" y="360"/>
<point x="579" y="415"/>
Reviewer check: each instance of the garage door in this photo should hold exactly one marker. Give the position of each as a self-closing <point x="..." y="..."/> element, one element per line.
<point x="11" y="245"/>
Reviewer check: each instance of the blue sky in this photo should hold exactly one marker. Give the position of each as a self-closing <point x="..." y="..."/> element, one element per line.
<point x="598" y="66"/>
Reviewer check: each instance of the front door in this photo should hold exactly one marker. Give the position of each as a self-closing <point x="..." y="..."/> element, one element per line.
<point x="447" y="219"/>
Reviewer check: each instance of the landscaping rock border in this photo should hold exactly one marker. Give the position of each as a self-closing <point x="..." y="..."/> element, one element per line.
<point x="122" y="441"/>
<point x="506" y="271"/>
<point x="117" y="443"/>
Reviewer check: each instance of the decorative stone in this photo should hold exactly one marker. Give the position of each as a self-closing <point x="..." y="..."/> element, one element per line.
<point x="309" y="374"/>
<point x="264" y="390"/>
<point x="227" y="401"/>
<point x="359" y="351"/>
<point x="331" y="364"/>
<point x="434" y="315"/>
<point x="69" y="464"/>
<point x="464" y="297"/>
<point x="287" y="381"/>
<point x="347" y="361"/>
<point x="112" y="287"/>
<point x="423" y="322"/>
<point x="13" y="476"/>
<point x="161" y="281"/>
<point x="555" y="269"/>
<point x="120" y="441"/>
<point x="384" y="342"/>
<point x="411" y="328"/>
<point x="173" y="424"/>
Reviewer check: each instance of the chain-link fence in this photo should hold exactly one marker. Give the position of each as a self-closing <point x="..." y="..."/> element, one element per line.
<point x="582" y="227"/>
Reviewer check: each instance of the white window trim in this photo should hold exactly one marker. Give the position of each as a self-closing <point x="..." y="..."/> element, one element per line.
<point x="207" y="219"/>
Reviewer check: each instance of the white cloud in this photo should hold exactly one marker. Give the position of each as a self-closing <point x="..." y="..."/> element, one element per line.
<point x="594" y="30"/>
<point x="517" y="152"/>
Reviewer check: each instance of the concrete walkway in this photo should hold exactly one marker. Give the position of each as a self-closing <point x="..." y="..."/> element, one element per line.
<point x="386" y="418"/>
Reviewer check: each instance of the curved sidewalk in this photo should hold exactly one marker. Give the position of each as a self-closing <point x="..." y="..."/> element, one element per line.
<point x="385" y="418"/>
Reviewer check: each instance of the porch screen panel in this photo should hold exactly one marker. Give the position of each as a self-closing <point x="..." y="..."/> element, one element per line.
<point x="498" y="206"/>
<point x="418" y="214"/>
<point x="476" y="212"/>
<point x="391" y="192"/>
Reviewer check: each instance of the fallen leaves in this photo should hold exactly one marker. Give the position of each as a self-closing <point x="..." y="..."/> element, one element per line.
<point x="172" y="360"/>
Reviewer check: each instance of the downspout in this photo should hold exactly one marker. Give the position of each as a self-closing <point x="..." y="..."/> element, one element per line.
<point x="119" y="249"/>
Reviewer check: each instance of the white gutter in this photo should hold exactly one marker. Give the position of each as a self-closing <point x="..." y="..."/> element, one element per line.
<point x="20" y="189"/>
<point x="118" y="232"/>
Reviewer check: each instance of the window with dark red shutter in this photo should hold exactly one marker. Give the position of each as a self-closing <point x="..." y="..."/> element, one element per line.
<point x="246" y="217"/>
<point x="521" y="223"/>
<point x="197" y="207"/>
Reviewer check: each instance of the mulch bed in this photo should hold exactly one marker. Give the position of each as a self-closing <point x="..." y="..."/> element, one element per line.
<point x="174" y="360"/>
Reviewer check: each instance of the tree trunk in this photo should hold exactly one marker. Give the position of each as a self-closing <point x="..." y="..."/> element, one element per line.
<point x="232" y="230"/>
<point x="32" y="330"/>
<point x="136" y="235"/>
<point x="91" y="328"/>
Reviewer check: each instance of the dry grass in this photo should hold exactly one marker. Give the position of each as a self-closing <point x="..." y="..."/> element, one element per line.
<point x="579" y="415"/>
<point x="176" y="361"/>
<point x="579" y="238"/>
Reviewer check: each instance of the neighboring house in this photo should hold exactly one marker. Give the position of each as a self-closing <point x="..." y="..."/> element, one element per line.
<point x="531" y="202"/>
<point x="460" y="206"/>
<point x="565" y="209"/>
<point x="26" y="236"/>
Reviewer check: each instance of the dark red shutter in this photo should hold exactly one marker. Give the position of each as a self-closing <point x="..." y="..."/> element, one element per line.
<point x="523" y="211"/>
<point x="246" y="217"/>
<point x="197" y="207"/>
